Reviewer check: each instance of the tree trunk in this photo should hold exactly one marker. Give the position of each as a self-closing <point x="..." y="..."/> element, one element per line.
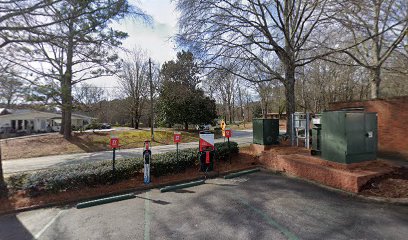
<point x="290" y="96"/>
<point x="61" y="131"/>
<point x="66" y="90"/>
<point x="375" y="83"/>
<point x="3" y="188"/>
<point x="186" y="126"/>
<point x="137" y="119"/>
<point x="67" y="108"/>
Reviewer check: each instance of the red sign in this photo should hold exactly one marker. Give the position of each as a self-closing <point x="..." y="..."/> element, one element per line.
<point x="114" y="142"/>
<point x="228" y="133"/>
<point x="177" y="137"/>
<point x="206" y="142"/>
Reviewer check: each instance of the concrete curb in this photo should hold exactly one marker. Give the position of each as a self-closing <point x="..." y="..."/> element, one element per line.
<point x="128" y="191"/>
<point x="105" y="200"/>
<point x="393" y="201"/>
<point x="237" y="174"/>
<point x="180" y="186"/>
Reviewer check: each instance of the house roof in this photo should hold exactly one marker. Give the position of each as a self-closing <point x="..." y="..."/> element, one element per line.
<point x="25" y="114"/>
<point x="4" y="111"/>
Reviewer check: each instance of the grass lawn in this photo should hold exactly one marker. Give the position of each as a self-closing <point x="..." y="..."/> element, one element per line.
<point x="55" y="144"/>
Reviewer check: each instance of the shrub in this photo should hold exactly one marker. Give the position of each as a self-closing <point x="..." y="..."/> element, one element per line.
<point x="97" y="173"/>
<point x="222" y="149"/>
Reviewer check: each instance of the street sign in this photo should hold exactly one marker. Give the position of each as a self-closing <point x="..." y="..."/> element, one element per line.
<point x="206" y="141"/>
<point x="114" y="142"/>
<point x="228" y="133"/>
<point x="177" y="137"/>
<point x="223" y="125"/>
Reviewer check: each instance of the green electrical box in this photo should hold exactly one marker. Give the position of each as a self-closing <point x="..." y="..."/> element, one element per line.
<point x="265" y="131"/>
<point x="349" y="137"/>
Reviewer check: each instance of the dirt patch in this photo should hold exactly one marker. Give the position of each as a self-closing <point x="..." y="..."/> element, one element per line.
<point x="21" y="199"/>
<point x="393" y="185"/>
<point x="55" y="144"/>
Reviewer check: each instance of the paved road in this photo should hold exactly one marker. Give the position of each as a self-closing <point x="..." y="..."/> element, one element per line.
<point x="256" y="206"/>
<point x="31" y="164"/>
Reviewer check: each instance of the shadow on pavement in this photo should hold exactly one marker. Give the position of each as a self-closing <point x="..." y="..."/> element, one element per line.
<point x="161" y="202"/>
<point x="11" y="228"/>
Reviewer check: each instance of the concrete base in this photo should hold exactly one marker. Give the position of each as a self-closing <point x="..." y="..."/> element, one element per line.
<point x="348" y="177"/>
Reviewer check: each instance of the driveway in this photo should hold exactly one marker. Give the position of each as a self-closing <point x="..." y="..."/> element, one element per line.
<point x="30" y="164"/>
<point x="256" y="206"/>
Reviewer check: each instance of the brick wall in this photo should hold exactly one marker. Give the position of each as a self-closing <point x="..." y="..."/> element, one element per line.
<point x="392" y="124"/>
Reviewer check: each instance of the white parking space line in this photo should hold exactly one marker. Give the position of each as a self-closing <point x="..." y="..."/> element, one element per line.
<point x="38" y="235"/>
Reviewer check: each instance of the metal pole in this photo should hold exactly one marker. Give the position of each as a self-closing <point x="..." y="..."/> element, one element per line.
<point x="292" y="133"/>
<point x="307" y="130"/>
<point x="113" y="165"/>
<point x="177" y="152"/>
<point x="229" y="151"/>
<point x="151" y="99"/>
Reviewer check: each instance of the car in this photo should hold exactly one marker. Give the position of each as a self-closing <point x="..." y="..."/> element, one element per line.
<point x="203" y="127"/>
<point x="106" y="126"/>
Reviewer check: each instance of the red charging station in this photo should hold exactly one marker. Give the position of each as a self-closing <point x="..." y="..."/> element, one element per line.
<point x="206" y="148"/>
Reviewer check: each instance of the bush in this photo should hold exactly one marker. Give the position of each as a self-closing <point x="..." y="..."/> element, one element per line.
<point x="74" y="176"/>
<point x="97" y="173"/>
<point x="222" y="149"/>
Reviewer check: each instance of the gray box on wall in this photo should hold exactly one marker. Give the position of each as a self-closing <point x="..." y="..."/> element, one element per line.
<point x="349" y="137"/>
<point x="265" y="131"/>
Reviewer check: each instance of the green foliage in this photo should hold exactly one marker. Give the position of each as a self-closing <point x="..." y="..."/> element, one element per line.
<point x="223" y="151"/>
<point x="98" y="173"/>
<point x="74" y="176"/>
<point x="180" y="101"/>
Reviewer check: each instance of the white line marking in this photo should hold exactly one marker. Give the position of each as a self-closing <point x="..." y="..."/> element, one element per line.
<point x="48" y="225"/>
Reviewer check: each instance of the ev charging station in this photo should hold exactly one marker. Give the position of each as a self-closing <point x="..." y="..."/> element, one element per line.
<point x="147" y="156"/>
<point x="207" y="151"/>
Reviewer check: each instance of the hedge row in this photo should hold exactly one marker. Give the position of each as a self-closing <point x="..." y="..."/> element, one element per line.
<point x="91" y="174"/>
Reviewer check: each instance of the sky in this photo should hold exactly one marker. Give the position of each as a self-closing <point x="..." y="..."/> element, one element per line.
<point x="154" y="38"/>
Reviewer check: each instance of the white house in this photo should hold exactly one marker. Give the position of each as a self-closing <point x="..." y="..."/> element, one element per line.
<point x="36" y="121"/>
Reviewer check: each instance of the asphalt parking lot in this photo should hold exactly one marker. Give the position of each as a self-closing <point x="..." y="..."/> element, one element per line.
<point x="256" y="206"/>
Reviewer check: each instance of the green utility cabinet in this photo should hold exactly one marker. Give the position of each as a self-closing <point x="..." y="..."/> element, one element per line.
<point x="349" y="137"/>
<point x="265" y="131"/>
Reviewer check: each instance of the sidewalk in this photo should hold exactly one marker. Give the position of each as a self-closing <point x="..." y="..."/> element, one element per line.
<point x="31" y="164"/>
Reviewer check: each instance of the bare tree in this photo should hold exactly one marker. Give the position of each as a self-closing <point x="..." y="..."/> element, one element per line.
<point x="225" y="83"/>
<point x="134" y="84"/>
<point x="88" y="97"/>
<point x="82" y="48"/>
<point x="371" y="19"/>
<point x="256" y="33"/>
<point x="11" y="87"/>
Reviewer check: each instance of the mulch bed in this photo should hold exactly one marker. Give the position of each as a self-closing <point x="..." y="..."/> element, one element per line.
<point x="20" y="199"/>
<point x="393" y="185"/>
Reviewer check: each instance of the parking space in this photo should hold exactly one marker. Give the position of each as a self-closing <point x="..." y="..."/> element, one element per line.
<point x="255" y="206"/>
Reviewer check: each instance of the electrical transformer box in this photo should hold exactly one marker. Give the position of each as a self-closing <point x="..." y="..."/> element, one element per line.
<point x="265" y="131"/>
<point x="349" y="137"/>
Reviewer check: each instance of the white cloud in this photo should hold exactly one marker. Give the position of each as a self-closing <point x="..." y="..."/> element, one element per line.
<point x="155" y="38"/>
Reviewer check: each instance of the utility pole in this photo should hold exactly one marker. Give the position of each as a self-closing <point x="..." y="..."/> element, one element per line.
<point x="151" y="100"/>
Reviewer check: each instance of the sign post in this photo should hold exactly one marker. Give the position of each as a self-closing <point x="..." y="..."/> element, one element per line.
<point x="177" y="139"/>
<point x="114" y="143"/>
<point x="223" y="125"/>
<point x="228" y="134"/>
<point x="147" y="155"/>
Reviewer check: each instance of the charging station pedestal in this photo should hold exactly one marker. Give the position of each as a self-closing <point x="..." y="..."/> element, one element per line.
<point x="147" y="156"/>
<point x="207" y="151"/>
